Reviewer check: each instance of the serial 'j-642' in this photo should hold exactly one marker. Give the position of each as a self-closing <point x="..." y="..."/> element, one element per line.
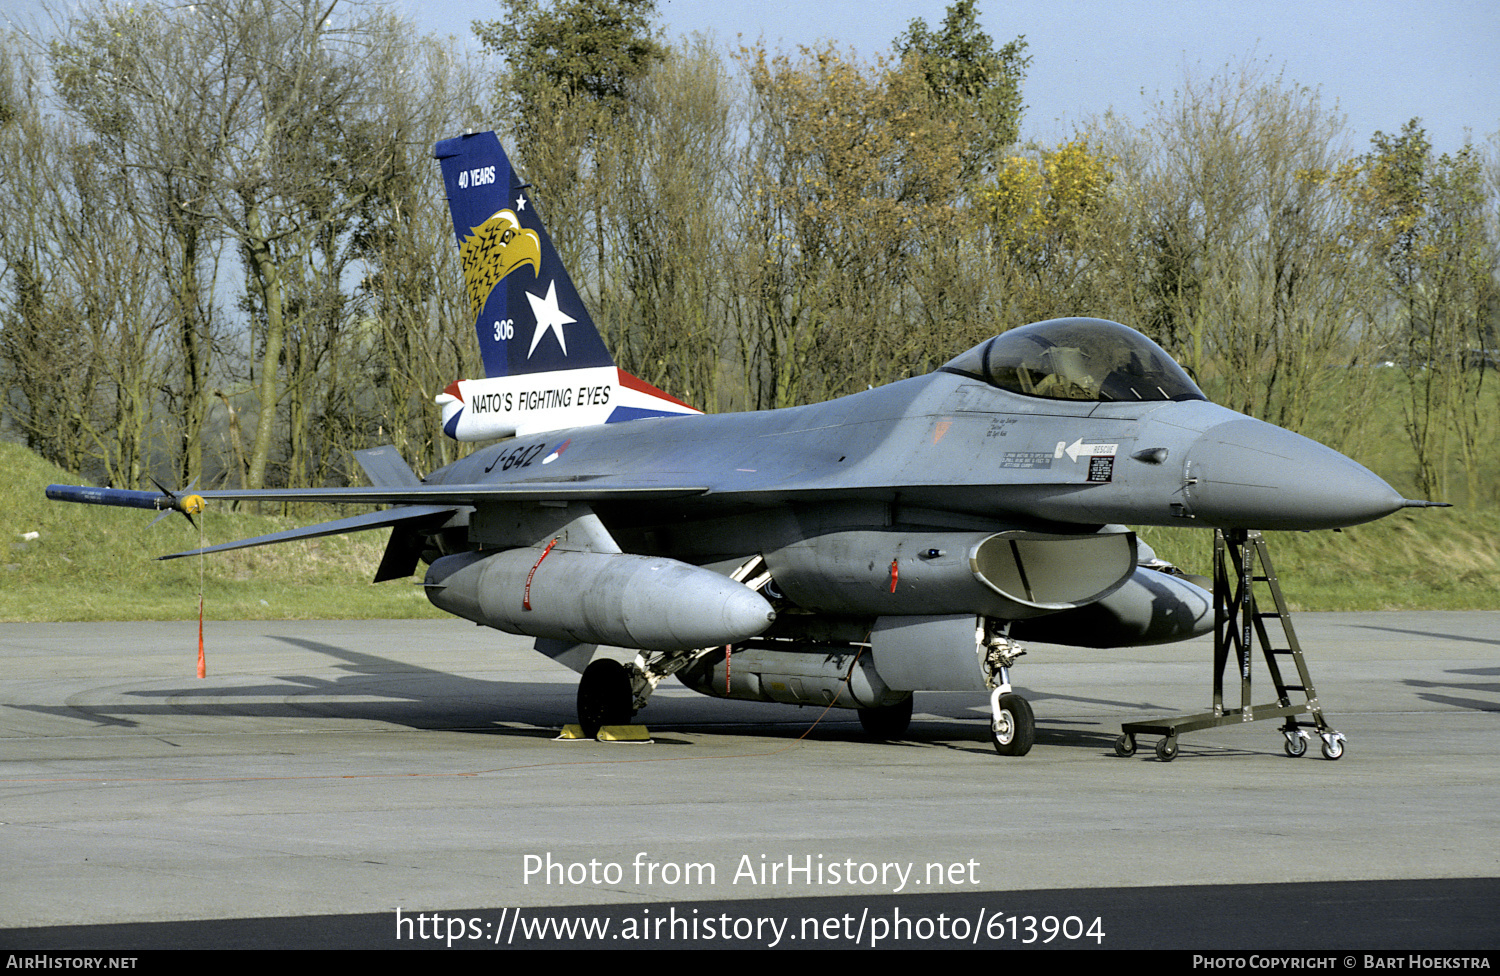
<point x="855" y="551"/>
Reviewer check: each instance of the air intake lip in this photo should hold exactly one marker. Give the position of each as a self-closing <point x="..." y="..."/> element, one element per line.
<point x="1053" y="572"/>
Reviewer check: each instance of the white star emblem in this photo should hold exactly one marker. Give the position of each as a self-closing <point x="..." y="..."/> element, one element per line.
<point x="521" y="202"/>
<point x="548" y="318"/>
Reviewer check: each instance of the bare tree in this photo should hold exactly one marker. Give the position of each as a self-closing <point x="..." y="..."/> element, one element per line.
<point x="272" y="124"/>
<point x="82" y="309"/>
<point x="1244" y="253"/>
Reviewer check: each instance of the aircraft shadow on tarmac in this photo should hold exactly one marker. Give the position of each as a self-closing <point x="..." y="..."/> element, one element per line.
<point x="1432" y="633"/>
<point x="1491" y="688"/>
<point x="381" y="689"/>
<point x="375" y="689"/>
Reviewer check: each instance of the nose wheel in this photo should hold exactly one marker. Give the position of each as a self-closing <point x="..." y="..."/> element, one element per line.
<point x="1012" y="726"/>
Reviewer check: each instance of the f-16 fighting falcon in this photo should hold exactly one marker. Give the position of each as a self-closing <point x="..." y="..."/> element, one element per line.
<point x="901" y="539"/>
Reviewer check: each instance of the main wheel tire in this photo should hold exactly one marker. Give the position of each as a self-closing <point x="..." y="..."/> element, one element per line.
<point x="604" y="696"/>
<point x="887" y="721"/>
<point x="1015" y="730"/>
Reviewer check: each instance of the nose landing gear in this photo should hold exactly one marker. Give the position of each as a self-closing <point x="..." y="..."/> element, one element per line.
<point x="1012" y="725"/>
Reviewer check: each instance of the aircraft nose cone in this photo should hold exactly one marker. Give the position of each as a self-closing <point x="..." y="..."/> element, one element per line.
<point x="1254" y="475"/>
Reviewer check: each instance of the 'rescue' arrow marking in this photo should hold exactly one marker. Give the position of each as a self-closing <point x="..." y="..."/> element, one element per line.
<point x="1079" y="449"/>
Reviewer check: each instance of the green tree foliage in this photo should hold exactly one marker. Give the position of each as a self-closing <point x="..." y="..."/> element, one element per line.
<point x="973" y="82"/>
<point x="1047" y="214"/>
<point x="855" y="177"/>
<point x="591" y="49"/>
<point x="1240" y="260"/>
<point x="670" y="177"/>
<point x="571" y="67"/>
<point x="1427" y="221"/>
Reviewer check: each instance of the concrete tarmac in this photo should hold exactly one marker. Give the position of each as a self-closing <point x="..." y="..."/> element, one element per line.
<point x="343" y="768"/>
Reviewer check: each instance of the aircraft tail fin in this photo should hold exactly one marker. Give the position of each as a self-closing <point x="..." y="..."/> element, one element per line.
<point x="527" y="313"/>
<point x="546" y="367"/>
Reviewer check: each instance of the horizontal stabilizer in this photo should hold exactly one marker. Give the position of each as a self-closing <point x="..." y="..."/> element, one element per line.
<point x="385" y="467"/>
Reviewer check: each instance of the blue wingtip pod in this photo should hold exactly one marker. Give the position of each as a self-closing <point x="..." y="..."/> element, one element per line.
<point x="151" y="501"/>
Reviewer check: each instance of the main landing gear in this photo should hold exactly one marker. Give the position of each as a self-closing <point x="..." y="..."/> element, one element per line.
<point x="604" y="696"/>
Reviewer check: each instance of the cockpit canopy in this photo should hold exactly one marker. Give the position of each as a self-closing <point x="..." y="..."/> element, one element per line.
<point x="1077" y="359"/>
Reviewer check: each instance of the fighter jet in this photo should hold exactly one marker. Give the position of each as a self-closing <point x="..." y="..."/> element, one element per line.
<point x="852" y="552"/>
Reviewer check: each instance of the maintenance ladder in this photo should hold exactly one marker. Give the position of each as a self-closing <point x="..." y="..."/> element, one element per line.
<point x="1237" y="623"/>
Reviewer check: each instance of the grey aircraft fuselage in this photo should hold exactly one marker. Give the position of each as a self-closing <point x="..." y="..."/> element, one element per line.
<point x="940" y="495"/>
<point x="947" y="443"/>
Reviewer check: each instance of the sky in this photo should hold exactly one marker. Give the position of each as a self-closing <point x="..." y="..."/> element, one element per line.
<point x="1381" y="62"/>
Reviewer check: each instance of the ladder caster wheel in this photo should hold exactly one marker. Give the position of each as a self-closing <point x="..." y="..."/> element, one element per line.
<point x="1296" y="745"/>
<point x="1333" y="746"/>
<point x="1166" y="749"/>
<point x="1125" y="746"/>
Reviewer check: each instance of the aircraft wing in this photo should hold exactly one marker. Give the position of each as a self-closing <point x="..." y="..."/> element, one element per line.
<point x="456" y="495"/>
<point x="416" y="505"/>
